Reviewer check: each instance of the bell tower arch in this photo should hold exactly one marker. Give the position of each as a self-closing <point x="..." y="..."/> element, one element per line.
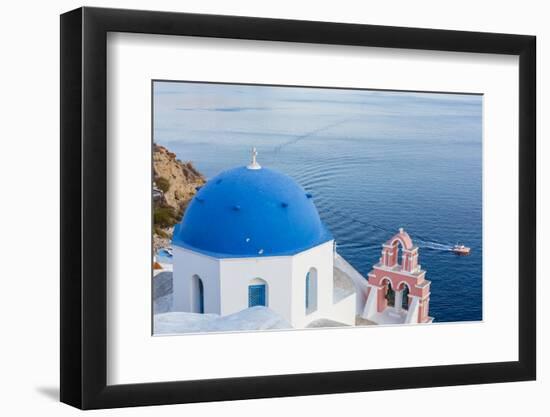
<point x="399" y="266"/>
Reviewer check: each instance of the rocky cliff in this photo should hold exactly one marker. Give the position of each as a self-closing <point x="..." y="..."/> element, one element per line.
<point x="174" y="186"/>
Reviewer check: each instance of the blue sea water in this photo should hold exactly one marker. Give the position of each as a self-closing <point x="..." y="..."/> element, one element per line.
<point x="373" y="160"/>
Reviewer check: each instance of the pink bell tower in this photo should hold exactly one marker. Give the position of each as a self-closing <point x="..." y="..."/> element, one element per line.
<point x="398" y="291"/>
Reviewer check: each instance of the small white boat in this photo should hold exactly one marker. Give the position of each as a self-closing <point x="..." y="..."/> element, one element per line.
<point x="461" y="250"/>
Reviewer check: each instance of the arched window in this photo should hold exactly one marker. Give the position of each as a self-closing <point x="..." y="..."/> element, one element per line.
<point x="197" y="292"/>
<point x="390" y="294"/>
<point x="311" y="291"/>
<point x="405" y="297"/>
<point x="397" y="251"/>
<point x="257" y="293"/>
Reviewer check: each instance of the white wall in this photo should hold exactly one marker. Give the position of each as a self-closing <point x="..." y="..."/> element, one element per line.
<point x="319" y="258"/>
<point x="29" y="169"/>
<point x="322" y="259"/>
<point x="236" y="275"/>
<point x="186" y="264"/>
<point x="285" y="278"/>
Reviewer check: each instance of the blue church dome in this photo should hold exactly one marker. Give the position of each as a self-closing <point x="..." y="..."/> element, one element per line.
<point x="251" y="212"/>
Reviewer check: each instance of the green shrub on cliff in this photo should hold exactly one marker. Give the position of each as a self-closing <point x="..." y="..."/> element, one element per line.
<point x="163" y="184"/>
<point x="165" y="216"/>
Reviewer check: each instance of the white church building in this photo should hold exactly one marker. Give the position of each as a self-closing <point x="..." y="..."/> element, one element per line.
<point x="252" y="236"/>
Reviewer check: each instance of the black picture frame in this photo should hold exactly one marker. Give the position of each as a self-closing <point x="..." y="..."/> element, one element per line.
<point x="84" y="207"/>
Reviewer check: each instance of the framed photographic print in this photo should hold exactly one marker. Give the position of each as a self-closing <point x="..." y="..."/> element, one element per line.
<point x="258" y="207"/>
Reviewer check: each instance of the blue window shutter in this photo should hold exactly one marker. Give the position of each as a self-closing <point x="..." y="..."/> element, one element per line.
<point x="256" y="295"/>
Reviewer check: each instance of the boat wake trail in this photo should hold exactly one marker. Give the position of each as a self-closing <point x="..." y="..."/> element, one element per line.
<point x="298" y="138"/>
<point x="420" y="241"/>
<point x="434" y="245"/>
